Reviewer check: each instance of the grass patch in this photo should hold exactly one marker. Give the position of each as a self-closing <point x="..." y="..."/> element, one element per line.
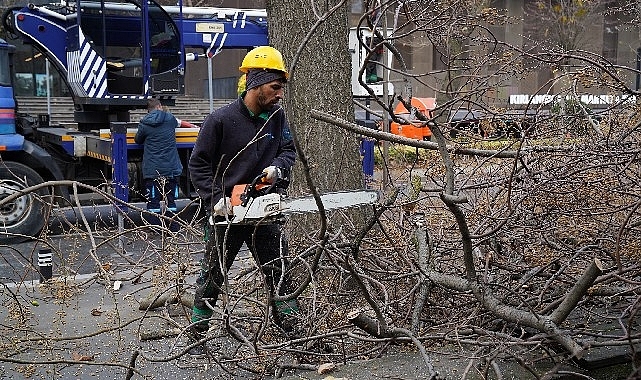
<point x="402" y="154"/>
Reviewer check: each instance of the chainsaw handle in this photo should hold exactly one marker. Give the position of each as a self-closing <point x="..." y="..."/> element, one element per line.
<point x="258" y="180"/>
<point x="251" y="190"/>
<point x="255" y="184"/>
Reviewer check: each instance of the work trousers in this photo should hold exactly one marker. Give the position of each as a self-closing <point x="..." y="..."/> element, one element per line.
<point x="161" y="189"/>
<point x="265" y="242"/>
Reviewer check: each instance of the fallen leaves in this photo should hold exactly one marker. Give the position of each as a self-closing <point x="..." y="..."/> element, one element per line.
<point x="81" y="358"/>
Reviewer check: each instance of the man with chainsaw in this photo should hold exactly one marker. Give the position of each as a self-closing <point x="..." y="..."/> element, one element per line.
<point x="238" y="143"/>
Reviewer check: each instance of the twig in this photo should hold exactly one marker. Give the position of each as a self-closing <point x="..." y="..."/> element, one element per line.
<point x="132" y="365"/>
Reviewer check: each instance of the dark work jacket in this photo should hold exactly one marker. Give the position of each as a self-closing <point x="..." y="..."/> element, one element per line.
<point x="233" y="147"/>
<point x="157" y="133"/>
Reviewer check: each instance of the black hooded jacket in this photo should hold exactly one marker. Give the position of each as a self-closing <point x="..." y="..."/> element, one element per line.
<point x="233" y="147"/>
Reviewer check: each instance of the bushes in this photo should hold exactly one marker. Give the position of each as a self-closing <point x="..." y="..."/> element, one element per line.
<point x="401" y="155"/>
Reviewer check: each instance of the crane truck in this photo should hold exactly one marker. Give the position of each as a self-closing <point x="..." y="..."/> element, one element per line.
<point x="113" y="56"/>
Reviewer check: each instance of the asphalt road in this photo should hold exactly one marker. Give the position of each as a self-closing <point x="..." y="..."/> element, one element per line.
<point x="75" y="251"/>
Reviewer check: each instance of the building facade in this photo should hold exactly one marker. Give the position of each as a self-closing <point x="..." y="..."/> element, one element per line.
<point x="603" y="32"/>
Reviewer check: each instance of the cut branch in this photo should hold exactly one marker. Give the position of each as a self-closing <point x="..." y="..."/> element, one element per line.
<point x="374" y="328"/>
<point x="579" y="289"/>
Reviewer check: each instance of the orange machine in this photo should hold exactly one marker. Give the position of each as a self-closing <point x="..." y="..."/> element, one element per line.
<point x="414" y="130"/>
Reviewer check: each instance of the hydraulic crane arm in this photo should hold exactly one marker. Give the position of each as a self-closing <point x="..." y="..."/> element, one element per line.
<point x="115" y="55"/>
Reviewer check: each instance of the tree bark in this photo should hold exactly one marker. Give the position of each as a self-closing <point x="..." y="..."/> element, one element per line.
<point x="320" y="70"/>
<point x="579" y="289"/>
<point x="154" y="300"/>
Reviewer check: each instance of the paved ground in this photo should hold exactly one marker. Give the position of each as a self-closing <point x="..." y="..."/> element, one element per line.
<point x="63" y="311"/>
<point x="104" y="328"/>
<point x="88" y="314"/>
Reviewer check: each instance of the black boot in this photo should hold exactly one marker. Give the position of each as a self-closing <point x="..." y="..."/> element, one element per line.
<point x="287" y="317"/>
<point x="197" y="333"/>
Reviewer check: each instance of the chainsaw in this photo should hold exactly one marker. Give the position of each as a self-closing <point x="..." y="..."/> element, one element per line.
<point x="262" y="202"/>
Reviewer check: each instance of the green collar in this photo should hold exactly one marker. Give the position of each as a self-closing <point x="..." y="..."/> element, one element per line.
<point x="263" y="115"/>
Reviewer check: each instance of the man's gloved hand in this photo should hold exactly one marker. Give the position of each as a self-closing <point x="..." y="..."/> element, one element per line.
<point x="272" y="173"/>
<point x="223" y="207"/>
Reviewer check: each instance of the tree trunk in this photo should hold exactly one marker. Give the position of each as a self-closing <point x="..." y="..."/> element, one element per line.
<point x="319" y="79"/>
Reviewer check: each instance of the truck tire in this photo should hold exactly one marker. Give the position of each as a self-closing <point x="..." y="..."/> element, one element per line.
<point x="23" y="217"/>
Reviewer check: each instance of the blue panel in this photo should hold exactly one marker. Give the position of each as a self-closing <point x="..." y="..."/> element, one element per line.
<point x="68" y="147"/>
<point x="12" y="142"/>
<point x="367" y="152"/>
<point x="251" y="35"/>
<point x="72" y="38"/>
<point x="185" y="145"/>
<point x="6" y="97"/>
<point x="50" y="35"/>
<point x="7" y="127"/>
<point x="7" y="111"/>
<point x="120" y="174"/>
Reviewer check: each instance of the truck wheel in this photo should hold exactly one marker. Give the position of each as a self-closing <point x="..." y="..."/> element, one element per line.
<point x="23" y="216"/>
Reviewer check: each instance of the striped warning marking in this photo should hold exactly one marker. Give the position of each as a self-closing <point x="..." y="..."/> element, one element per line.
<point x="99" y="156"/>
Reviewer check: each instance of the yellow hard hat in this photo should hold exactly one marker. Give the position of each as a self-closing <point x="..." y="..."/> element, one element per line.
<point x="263" y="57"/>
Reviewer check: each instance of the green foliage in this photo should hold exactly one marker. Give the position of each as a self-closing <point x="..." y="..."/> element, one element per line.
<point x="402" y="154"/>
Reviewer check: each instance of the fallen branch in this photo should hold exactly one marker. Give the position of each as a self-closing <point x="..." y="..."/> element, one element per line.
<point x="577" y="292"/>
<point x="369" y="132"/>
<point x="367" y="324"/>
<point x="159" y="334"/>
<point x="423" y="253"/>
<point x="508" y="313"/>
<point x="372" y="327"/>
<point x="155" y="300"/>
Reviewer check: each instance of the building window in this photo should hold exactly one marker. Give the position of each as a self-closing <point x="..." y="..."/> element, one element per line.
<point x="357" y="6"/>
<point x="439" y="61"/>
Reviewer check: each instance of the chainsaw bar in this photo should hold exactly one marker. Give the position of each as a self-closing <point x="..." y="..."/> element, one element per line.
<point x="331" y="201"/>
<point x="272" y="207"/>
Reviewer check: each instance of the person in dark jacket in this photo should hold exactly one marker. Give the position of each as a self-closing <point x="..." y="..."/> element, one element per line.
<point x="235" y="145"/>
<point x="161" y="165"/>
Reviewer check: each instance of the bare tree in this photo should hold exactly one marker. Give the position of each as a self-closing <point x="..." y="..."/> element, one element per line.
<point x="564" y="23"/>
<point x="518" y="250"/>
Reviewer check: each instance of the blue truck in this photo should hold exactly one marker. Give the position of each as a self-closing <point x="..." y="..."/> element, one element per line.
<point x="113" y="56"/>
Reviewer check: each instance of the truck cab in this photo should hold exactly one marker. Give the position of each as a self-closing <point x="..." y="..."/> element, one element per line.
<point x="113" y="56"/>
<point x="23" y="164"/>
